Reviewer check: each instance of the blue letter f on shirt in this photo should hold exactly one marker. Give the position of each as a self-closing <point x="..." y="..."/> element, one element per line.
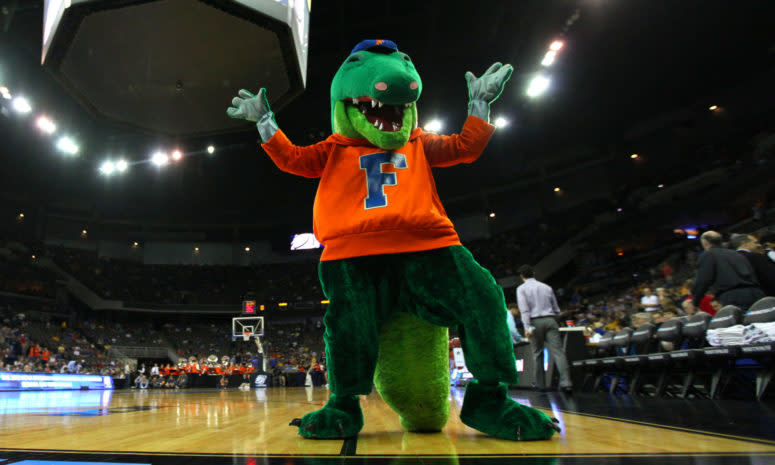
<point x="376" y="179"/>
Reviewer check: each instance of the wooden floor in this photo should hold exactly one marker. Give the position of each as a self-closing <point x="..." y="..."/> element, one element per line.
<point x="255" y="424"/>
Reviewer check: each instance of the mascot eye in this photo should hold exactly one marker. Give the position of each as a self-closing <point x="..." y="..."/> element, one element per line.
<point x="406" y="57"/>
<point x="353" y="59"/>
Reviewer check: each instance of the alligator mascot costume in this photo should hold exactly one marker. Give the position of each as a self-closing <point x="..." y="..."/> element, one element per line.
<point x="393" y="267"/>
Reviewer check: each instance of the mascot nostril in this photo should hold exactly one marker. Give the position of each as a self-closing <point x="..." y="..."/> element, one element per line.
<point x="386" y="234"/>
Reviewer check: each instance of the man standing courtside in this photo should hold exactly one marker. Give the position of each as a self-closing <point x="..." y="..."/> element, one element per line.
<point x="728" y="272"/>
<point x="539" y="310"/>
<point x="764" y="268"/>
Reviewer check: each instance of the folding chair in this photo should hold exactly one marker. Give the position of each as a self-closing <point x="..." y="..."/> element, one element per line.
<point x="762" y="311"/>
<point x="721" y="359"/>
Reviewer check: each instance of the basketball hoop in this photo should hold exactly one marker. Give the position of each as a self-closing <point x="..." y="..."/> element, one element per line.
<point x="246" y="336"/>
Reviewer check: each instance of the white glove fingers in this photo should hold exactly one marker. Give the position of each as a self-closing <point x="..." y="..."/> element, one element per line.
<point x="245" y="94"/>
<point x="235" y="112"/>
<point x="493" y="68"/>
<point x="236" y="102"/>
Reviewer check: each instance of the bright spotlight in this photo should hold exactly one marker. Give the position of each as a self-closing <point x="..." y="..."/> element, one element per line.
<point x="549" y="58"/>
<point x="67" y="145"/>
<point x="557" y="189"/>
<point x="537" y="86"/>
<point x="121" y="165"/>
<point x="160" y="159"/>
<point x="634" y="156"/>
<point x="556" y="45"/>
<point x="247" y="249"/>
<point x="433" y="126"/>
<point x="661" y="186"/>
<point x="210" y="149"/>
<point x="501" y="122"/>
<point x="46" y="125"/>
<point x="492" y="214"/>
<point x="177" y="155"/>
<point x="107" y="168"/>
<point x="5" y="93"/>
<point x="713" y="107"/>
<point x="21" y="105"/>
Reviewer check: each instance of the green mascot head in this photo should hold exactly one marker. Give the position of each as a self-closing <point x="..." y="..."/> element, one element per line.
<point x="374" y="95"/>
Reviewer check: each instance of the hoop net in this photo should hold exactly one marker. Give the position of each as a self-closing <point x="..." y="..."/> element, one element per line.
<point x="246" y="336"/>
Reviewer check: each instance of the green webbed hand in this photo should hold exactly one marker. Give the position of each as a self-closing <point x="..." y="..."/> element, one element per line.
<point x="254" y="108"/>
<point x="484" y="90"/>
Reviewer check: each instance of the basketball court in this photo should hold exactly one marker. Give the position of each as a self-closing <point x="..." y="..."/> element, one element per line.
<point x="248" y="427"/>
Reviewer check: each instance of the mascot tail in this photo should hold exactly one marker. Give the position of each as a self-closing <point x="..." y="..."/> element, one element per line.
<point x="413" y="377"/>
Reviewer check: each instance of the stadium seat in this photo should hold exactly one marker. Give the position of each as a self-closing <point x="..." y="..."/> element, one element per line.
<point x="591" y="366"/>
<point x="642" y="342"/>
<point x="688" y="360"/>
<point x="668" y="333"/>
<point x="720" y="359"/>
<point x="762" y="311"/>
<point x="615" y="366"/>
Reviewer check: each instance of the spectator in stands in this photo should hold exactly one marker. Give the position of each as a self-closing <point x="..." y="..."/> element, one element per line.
<point x="649" y="302"/>
<point x="727" y="272"/>
<point x="750" y="248"/>
<point x="539" y="310"/>
<point x="640" y="319"/>
<point x="141" y="382"/>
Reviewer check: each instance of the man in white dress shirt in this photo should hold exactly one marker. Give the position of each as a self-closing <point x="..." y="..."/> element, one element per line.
<point x="539" y="310"/>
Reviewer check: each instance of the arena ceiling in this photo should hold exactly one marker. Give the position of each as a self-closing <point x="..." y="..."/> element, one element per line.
<point x="625" y="64"/>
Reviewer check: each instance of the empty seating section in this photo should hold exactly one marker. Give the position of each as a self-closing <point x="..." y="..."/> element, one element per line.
<point x="676" y="358"/>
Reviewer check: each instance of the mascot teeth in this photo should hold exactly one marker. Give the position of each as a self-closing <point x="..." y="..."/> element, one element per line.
<point x="379" y="104"/>
<point x="373" y="103"/>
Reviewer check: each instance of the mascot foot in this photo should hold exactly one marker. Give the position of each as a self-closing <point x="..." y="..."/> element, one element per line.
<point x="340" y="418"/>
<point x="489" y="409"/>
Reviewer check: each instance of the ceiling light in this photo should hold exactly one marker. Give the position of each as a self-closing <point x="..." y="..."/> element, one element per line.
<point x="67" y="145"/>
<point x="21" y="105"/>
<point x="122" y="165"/>
<point x="160" y="159"/>
<point x="210" y="149"/>
<point x="433" y="126"/>
<point x="556" y="45"/>
<point x="713" y="107"/>
<point x="177" y="155"/>
<point x="634" y="156"/>
<point x="107" y="168"/>
<point x="501" y="122"/>
<point x="537" y="86"/>
<point x="46" y="125"/>
<point x="549" y="58"/>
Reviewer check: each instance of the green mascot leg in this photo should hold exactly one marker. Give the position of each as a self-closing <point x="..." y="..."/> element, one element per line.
<point x="456" y="291"/>
<point x="340" y="418"/>
<point x="415" y="387"/>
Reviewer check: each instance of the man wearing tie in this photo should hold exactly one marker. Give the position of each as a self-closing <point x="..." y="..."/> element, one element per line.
<point x="539" y="309"/>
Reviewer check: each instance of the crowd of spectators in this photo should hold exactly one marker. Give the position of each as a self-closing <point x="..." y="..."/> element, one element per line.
<point x="663" y="290"/>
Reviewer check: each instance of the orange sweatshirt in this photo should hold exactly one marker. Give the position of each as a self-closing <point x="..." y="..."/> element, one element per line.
<point x="371" y="201"/>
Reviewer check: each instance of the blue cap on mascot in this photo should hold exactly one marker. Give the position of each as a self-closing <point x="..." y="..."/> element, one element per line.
<point x="372" y="43"/>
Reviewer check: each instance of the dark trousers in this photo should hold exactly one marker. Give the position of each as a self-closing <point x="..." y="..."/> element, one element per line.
<point x="742" y="297"/>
